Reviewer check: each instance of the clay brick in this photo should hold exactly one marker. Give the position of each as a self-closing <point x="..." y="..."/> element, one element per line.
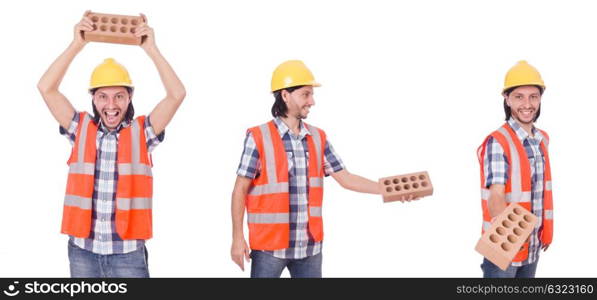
<point x="500" y="243"/>
<point x="117" y="29"/>
<point x="415" y="184"/>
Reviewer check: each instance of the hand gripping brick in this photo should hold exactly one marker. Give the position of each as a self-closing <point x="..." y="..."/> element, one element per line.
<point x="117" y="29"/>
<point x="506" y="235"/>
<point x="415" y="184"/>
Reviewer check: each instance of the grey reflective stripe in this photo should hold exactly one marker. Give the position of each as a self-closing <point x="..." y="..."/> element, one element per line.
<point x="270" y="157"/>
<point x="317" y="140"/>
<point x="316" y="182"/>
<point x="315" y="211"/>
<point x="135" y="142"/>
<point x="485" y="193"/>
<point x="515" y="180"/>
<point x="548" y="214"/>
<point x="82" y="168"/>
<point x="486" y="225"/>
<point x="274" y="218"/>
<point x="80" y="202"/>
<point x="133" y="203"/>
<point x="134" y="169"/>
<point x="545" y="140"/>
<point x="271" y="188"/>
<point x="548" y="185"/>
<point x="83" y="138"/>
<point x="522" y="197"/>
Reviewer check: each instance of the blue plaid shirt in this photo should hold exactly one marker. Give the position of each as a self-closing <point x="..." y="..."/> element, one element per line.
<point x="301" y="242"/>
<point x="496" y="172"/>
<point x="103" y="238"/>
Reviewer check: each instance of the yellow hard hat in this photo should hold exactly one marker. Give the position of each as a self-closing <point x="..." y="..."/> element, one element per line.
<point x="292" y="73"/>
<point x="110" y="73"/>
<point x="522" y="74"/>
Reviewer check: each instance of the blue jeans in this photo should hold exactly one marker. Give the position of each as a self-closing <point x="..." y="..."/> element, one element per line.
<point x="492" y="271"/>
<point x="87" y="264"/>
<point x="265" y="265"/>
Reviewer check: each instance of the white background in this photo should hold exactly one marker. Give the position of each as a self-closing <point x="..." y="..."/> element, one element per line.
<point x="407" y="86"/>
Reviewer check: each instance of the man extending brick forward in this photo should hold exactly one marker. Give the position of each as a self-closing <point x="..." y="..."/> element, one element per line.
<point x="280" y="183"/>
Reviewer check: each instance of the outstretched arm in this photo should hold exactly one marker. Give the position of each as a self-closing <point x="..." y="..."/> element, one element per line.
<point x="361" y="184"/>
<point x="356" y="183"/>
<point x="48" y="85"/>
<point x="175" y="91"/>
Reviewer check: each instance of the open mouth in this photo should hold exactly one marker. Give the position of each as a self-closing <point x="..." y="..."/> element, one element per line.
<point x="112" y="116"/>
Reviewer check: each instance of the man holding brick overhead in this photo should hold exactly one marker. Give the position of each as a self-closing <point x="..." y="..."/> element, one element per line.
<point x="515" y="168"/>
<point x="107" y="207"/>
<point x="280" y="182"/>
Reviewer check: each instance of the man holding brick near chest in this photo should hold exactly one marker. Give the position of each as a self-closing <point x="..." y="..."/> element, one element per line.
<point x="515" y="168"/>
<point x="280" y="182"/>
<point x="107" y="208"/>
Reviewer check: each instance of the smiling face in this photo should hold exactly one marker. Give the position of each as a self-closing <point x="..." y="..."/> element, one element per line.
<point x="111" y="103"/>
<point x="524" y="103"/>
<point x="299" y="101"/>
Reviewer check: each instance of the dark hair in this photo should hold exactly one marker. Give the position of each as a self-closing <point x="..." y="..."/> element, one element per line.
<point x="508" y="110"/>
<point x="279" y="109"/>
<point x="130" y="110"/>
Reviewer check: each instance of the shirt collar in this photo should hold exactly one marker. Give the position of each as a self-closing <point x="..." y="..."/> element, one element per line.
<point x="523" y="134"/>
<point x="283" y="128"/>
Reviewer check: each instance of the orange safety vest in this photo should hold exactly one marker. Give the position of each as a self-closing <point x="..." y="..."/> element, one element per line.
<point x="134" y="186"/>
<point x="518" y="187"/>
<point x="268" y="200"/>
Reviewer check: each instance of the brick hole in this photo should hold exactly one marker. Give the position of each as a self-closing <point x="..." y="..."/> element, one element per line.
<point x="523" y="224"/>
<point x="494" y="238"/>
<point x="507" y="224"/>
<point x="506" y="246"/>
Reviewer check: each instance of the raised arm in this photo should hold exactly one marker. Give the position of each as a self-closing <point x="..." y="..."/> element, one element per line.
<point x="175" y="91"/>
<point x="48" y="85"/>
